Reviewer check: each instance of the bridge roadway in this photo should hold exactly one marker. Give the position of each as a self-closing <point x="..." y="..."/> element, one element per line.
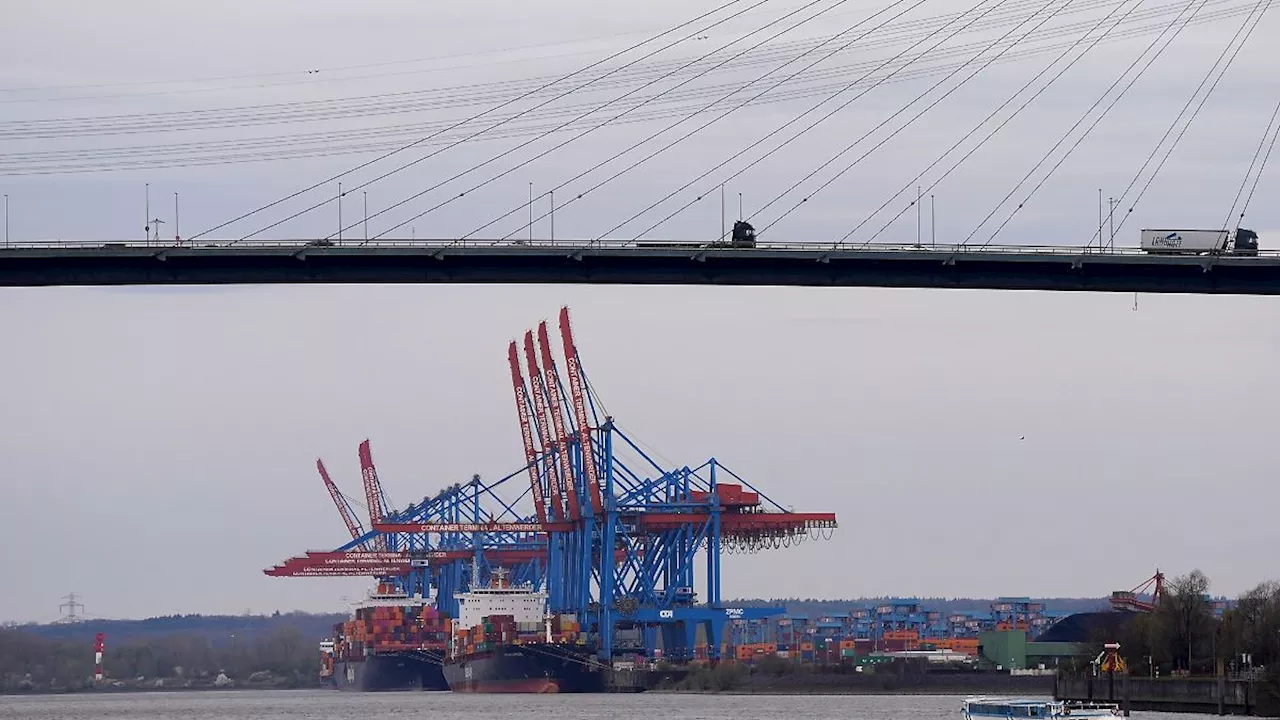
<point x="1057" y="268"/>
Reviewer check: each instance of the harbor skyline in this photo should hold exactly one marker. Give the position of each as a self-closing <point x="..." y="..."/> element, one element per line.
<point x="829" y="395"/>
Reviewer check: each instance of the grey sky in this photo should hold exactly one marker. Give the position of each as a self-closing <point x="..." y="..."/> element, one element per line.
<point x="158" y="444"/>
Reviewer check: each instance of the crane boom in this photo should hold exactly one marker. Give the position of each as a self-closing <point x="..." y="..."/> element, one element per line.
<point x="544" y="427"/>
<point x="526" y="433"/>
<point x="555" y="404"/>
<point x="344" y="507"/>
<point x="574" y="367"/>
<point x="372" y="492"/>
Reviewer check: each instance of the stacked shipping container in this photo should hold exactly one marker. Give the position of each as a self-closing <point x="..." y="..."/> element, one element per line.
<point x="390" y="628"/>
<point x="895" y="625"/>
<point x="504" y="630"/>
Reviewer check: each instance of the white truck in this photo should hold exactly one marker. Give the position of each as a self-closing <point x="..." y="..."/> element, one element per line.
<point x="1200" y="242"/>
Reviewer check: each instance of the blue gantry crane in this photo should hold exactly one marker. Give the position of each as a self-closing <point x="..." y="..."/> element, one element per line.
<point x="624" y="535"/>
<point x="613" y="537"/>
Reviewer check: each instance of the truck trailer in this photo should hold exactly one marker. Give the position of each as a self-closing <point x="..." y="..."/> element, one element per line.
<point x="1200" y="242"/>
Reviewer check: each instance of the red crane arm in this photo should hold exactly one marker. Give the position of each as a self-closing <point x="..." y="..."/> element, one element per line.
<point x="544" y="426"/>
<point x="526" y="433"/>
<point x="344" y="508"/>
<point x="574" y="367"/>
<point x="372" y="491"/>
<point x="555" y="403"/>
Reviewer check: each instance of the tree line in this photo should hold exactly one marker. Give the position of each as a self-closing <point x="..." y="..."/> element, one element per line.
<point x="1184" y="636"/>
<point x="282" y="657"/>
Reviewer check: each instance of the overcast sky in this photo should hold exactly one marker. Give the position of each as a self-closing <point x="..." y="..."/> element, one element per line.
<point x="158" y="444"/>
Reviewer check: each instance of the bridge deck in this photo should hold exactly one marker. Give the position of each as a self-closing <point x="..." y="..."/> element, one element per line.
<point x="1056" y="268"/>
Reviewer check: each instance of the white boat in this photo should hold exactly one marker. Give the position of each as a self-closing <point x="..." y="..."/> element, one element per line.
<point x="1007" y="708"/>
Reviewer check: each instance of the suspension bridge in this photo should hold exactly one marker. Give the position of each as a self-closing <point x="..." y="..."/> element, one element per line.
<point x="687" y="97"/>
<point x="797" y="264"/>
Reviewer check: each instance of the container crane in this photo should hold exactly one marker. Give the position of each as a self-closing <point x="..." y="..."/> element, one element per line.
<point x="1132" y="600"/>
<point x="613" y="536"/>
<point x="638" y="530"/>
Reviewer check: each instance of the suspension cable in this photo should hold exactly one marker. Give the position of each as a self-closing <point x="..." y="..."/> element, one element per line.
<point x="1155" y="44"/>
<point x="419" y="141"/>
<point x="377" y="139"/>
<point x="714" y="103"/>
<point x="1261" y="169"/>
<point x="1263" y="6"/>
<point x="593" y="110"/>
<point x="1097" y="39"/>
<point x="548" y="151"/>
<point x="804" y="131"/>
<point x="905" y="125"/>
<point x="1261" y="143"/>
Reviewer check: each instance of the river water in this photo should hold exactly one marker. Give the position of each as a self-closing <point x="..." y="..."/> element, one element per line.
<point x="333" y="705"/>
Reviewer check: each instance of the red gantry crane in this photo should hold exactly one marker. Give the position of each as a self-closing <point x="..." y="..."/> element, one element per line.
<point x="1133" y="600"/>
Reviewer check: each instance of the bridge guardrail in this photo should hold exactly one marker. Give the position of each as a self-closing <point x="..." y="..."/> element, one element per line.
<point x="573" y="245"/>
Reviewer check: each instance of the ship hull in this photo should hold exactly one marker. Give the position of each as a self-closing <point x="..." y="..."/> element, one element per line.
<point x="534" y="668"/>
<point x="388" y="673"/>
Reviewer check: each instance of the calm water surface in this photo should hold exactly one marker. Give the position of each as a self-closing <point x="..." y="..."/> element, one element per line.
<point x="315" y="705"/>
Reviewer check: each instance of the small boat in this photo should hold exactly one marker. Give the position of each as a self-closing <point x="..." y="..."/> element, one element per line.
<point x="1008" y="708"/>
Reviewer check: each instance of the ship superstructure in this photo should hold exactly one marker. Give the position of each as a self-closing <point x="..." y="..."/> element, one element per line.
<point x="523" y="604"/>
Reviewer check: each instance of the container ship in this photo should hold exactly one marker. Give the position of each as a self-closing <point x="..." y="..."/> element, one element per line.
<point x="393" y="641"/>
<point x="505" y="642"/>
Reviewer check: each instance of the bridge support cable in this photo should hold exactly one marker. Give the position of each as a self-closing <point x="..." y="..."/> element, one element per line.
<point x="329" y="108"/>
<point x="1237" y="40"/>
<point x="1273" y="129"/>
<point x="908" y="123"/>
<point x="346" y="107"/>
<point x="1070" y="46"/>
<point x="1133" y="5"/>
<point x="525" y="144"/>
<point x="1172" y="146"/>
<point x="1159" y="45"/>
<point x="718" y="102"/>
<point x="379" y="139"/>
<point x="595" y="127"/>
<point x="477" y="116"/>
<point x="812" y="125"/>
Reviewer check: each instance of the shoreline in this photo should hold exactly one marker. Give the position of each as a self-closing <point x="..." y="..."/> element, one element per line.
<point x="900" y="692"/>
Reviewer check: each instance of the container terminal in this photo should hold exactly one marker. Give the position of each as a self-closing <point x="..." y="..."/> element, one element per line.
<point x="1016" y="633"/>
<point x="589" y="574"/>
<point x="599" y="546"/>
